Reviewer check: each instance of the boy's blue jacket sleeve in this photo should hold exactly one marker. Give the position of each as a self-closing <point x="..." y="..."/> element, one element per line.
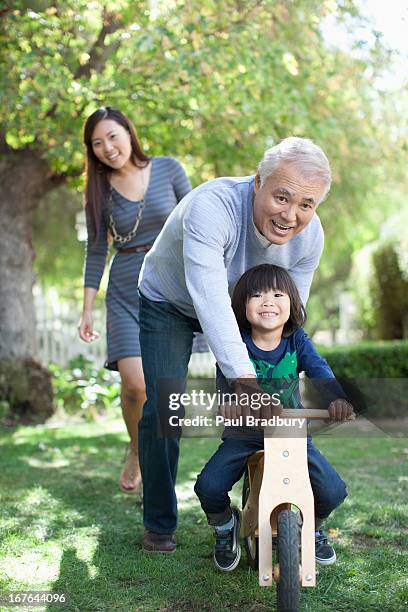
<point x="317" y="369"/>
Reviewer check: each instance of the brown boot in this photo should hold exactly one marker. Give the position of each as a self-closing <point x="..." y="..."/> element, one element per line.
<point x="159" y="542"/>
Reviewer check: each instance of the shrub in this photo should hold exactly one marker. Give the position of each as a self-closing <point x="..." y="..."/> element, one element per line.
<point x="374" y="374"/>
<point x="390" y="298"/>
<point x="387" y="359"/>
<point x="84" y="388"/>
<point x="379" y="281"/>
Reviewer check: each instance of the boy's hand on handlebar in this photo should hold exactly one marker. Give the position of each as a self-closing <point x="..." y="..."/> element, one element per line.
<point x="341" y="410"/>
<point x="232" y="411"/>
<point x="271" y="410"/>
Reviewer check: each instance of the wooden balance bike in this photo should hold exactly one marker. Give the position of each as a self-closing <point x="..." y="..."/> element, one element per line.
<point x="277" y="479"/>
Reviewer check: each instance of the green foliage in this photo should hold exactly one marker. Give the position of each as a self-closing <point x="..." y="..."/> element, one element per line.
<point x="379" y="281"/>
<point x="84" y="389"/>
<point x="369" y="360"/>
<point x="390" y="293"/>
<point x="59" y="254"/>
<point x="374" y="375"/>
<point x="212" y="83"/>
<point x="215" y="83"/>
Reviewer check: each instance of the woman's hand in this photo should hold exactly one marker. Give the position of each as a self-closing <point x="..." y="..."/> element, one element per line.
<point x="85" y="328"/>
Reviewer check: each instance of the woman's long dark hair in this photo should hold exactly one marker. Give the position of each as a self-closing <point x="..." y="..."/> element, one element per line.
<point x="263" y="278"/>
<point x="98" y="173"/>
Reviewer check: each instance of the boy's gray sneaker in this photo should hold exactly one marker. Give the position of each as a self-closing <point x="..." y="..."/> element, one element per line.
<point x="325" y="554"/>
<point x="227" y="550"/>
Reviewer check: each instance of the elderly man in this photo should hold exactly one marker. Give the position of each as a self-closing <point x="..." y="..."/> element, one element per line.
<point x="213" y="236"/>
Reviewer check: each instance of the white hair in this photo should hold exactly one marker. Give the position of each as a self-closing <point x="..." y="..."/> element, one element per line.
<point x="302" y="152"/>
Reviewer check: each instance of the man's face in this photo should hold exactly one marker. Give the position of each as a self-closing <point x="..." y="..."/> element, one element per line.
<point x="286" y="202"/>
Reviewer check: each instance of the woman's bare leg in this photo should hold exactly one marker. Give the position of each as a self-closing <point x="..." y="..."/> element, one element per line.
<point x="133" y="397"/>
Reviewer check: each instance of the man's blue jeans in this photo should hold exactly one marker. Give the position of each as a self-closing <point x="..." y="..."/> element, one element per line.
<point x="166" y="338"/>
<point x="228" y="464"/>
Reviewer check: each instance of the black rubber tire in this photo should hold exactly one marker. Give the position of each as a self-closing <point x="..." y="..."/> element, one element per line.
<point x="251" y="542"/>
<point x="288" y="587"/>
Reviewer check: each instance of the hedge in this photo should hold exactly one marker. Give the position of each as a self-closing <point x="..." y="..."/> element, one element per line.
<point x="386" y="359"/>
<point x="374" y="374"/>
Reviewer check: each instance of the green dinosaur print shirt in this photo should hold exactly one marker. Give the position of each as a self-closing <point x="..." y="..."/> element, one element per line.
<point x="278" y="370"/>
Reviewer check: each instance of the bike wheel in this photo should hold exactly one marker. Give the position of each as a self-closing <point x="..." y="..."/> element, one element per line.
<point x="251" y="541"/>
<point x="288" y="586"/>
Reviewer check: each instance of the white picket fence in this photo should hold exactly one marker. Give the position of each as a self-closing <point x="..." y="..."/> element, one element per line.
<point x="58" y="340"/>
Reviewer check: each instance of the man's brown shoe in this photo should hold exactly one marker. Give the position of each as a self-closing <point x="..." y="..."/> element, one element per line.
<point x="158" y="542"/>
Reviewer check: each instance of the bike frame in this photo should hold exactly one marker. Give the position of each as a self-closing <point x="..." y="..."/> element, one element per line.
<point x="279" y="478"/>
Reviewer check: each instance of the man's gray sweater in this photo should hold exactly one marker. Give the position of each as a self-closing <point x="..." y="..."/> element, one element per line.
<point x="206" y="244"/>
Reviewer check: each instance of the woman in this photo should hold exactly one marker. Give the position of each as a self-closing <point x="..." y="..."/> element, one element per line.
<point x="129" y="196"/>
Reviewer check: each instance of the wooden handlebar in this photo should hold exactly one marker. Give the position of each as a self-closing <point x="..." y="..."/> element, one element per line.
<point x="309" y="413"/>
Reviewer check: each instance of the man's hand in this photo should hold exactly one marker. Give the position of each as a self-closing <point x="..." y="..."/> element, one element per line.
<point x="247" y="386"/>
<point x="341" y="410"/>
<point x="241" y="389"/>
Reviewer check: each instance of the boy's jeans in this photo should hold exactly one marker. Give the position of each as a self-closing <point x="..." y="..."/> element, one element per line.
<point x="227" y="465"/>
<point x="166" y="338"/>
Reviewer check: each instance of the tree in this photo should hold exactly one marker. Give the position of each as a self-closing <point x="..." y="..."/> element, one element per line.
<point x="212" y="82"/>
<point x="380" y="274"/>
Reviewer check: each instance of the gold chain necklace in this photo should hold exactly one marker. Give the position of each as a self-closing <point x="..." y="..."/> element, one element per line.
<point x="116" y="236"/>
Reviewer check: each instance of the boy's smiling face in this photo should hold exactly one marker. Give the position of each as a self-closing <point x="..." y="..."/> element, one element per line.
<point x="268" y="310"/>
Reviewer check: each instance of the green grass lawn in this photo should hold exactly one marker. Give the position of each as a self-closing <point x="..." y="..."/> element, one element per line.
<point x="65" y="527"/>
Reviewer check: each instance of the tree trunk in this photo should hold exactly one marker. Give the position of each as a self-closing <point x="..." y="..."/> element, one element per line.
<point x="25" y="179"/>
<point x="17" y="319"/>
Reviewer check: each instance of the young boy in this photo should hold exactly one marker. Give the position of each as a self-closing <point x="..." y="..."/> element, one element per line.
<point x="270" y="316"/>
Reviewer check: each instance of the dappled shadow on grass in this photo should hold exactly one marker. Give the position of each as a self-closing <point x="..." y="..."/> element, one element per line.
<point x="62" y="487"/>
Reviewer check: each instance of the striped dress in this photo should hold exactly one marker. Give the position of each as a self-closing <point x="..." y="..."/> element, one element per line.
<point x="168" y="184"/>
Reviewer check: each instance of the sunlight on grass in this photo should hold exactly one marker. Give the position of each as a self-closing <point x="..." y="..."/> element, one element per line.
<point x="43" y="565"/>
<point x="70" y="530"/>
<point x="38" y="497"/>
<point x="46" y="464"/>
<point x="85" y="542"/>
<point x="185" y="494"/>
